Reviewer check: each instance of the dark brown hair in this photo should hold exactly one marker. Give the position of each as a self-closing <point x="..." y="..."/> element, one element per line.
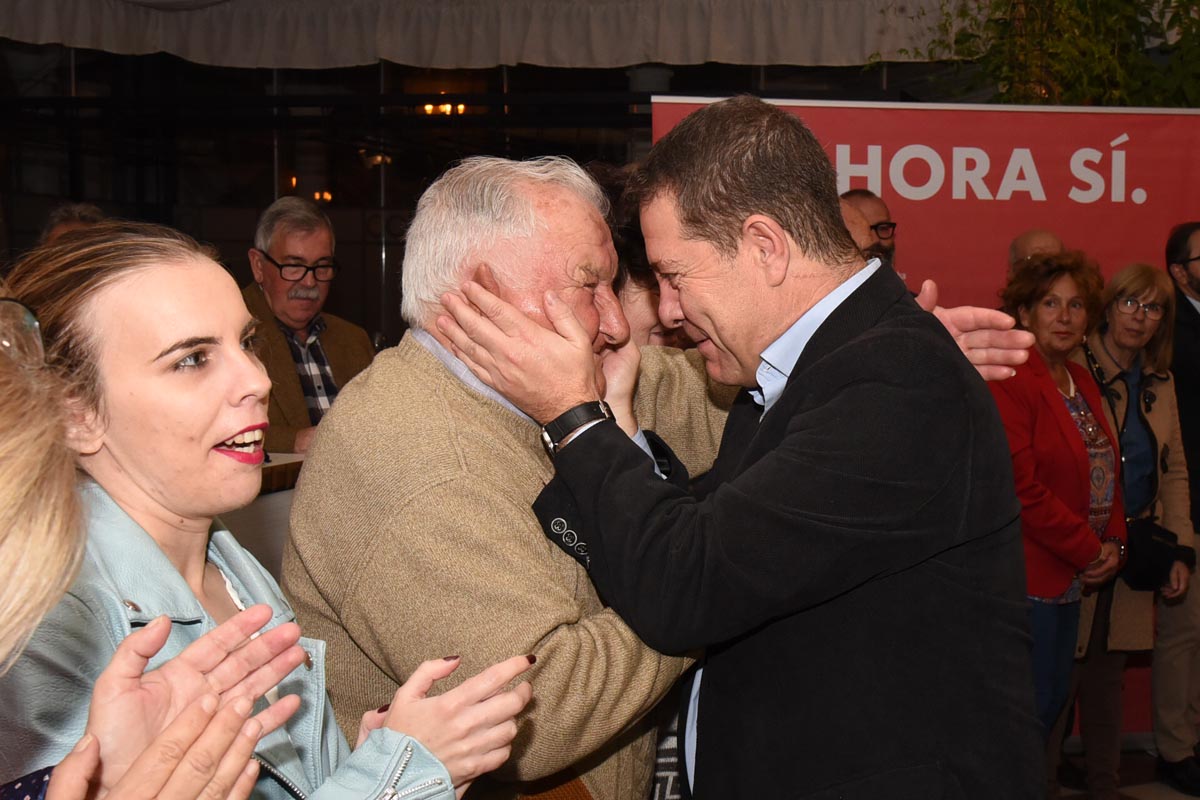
<point x="740" y="157"/>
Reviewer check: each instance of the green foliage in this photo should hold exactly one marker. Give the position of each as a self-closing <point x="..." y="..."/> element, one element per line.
<point x="1073" y="52"/>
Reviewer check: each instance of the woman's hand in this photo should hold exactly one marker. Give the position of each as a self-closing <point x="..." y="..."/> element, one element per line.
<point x="204" y="753"/>
<point x="1103" y="569"/>
<point x="1177" y="581"/>
<point x="469" y="728"/>
<point x="620" y="367"/>
<point x="130" y="707"/>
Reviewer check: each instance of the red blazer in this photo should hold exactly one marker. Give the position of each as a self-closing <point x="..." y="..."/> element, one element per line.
<point x="1050" y="466"/>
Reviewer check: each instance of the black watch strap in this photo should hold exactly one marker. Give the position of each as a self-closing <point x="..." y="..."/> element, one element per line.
<point x="559" y="428"/>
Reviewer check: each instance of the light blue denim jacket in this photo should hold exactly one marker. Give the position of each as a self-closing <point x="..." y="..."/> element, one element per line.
<point x="125" y="582"/>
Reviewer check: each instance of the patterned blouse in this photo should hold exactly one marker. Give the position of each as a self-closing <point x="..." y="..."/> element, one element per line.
<point x="1102" y="473"/>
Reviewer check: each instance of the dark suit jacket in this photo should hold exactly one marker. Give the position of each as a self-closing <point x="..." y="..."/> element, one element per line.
<point x="346" y="345"/>
<point x="1185" y="366"/>
<point x="1050" y="464"/>
<point x="855" y="576"/>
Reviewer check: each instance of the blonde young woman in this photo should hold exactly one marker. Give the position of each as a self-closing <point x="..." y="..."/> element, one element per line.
<point x="166" y="405"/>
<point x="202" y="751"/>
<point x="1129" y="356"/>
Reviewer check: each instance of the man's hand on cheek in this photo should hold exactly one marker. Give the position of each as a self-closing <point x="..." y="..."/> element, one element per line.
<point x="543" y="372"/>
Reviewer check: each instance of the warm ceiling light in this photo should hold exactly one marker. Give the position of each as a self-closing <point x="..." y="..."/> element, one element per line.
<point x="293" y="181"/>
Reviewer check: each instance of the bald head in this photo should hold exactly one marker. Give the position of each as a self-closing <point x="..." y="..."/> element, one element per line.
<point x="1031" y="243"/>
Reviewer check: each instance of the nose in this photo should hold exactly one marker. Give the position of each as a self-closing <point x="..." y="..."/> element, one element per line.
<point x="670" y="313"/>
<point x="251" y="380"/>
<point x="309" y="279"/>
<point x="613" y="325"/>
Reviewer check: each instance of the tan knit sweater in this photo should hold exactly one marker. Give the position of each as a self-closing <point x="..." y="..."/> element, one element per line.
<point x="412" y="538"/>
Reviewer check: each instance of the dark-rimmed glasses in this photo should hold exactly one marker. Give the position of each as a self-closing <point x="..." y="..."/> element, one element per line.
<point x="1130" y="305"/>
<point x="296" y="272"/>
<point x="884" y="230"/>
<point x="20" y="334"/>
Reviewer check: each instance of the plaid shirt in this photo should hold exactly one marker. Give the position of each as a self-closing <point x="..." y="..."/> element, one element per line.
<point x="316" y="376"/>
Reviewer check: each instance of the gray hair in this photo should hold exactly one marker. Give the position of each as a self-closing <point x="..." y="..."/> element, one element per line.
<point x="290" y="214"/>
<point x="468" y="209"/>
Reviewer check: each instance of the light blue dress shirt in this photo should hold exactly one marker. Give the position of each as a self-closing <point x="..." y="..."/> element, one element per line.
<point x="775" y="367"/>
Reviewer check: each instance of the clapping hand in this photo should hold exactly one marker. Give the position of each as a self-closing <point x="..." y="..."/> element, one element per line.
<point x="469" y="728"/>
<point x="133" y="711"/>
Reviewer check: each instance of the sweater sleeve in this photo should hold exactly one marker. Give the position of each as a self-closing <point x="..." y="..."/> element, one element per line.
<point x="677" y="400"/>
<point x="467" y="571"/>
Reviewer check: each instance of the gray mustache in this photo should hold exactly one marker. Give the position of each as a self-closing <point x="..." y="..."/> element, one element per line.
<point x="304" y="293"/>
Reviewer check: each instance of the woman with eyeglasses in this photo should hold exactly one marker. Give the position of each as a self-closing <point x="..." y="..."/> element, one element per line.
<point x="1066" y="464"/>
<point x="166" y="404"/>
<point x="1129" y="355"/>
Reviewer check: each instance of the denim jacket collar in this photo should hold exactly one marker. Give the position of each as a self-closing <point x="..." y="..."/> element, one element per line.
<point x="147" y="581"/>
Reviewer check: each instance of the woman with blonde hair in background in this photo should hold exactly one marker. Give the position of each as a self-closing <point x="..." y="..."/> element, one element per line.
<point x="166" y="405"/>
<point x="1129" y="355"/>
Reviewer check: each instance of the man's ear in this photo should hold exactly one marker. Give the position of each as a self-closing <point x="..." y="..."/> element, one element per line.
<point x="768" y="245"/>
<point x="85" y="427"/>
<point x="256" y="266"/>
<point x="1178" y="274"/>
<point x="483" y="275"/>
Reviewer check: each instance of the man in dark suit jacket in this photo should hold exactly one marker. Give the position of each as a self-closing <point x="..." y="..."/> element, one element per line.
<point x="1177" y="635"/>
<point x="855" y="575"/>
<point x="1183" y="263"/>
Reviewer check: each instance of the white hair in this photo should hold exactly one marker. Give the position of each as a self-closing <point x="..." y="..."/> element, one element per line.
<point x="468" y="209"/>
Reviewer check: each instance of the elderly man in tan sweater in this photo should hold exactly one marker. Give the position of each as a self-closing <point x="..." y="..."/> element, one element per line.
<point x="411" y="533"/>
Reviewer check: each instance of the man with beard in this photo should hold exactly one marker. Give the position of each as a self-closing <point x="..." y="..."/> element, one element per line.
<point x="308" y="355"/>
<point x="879" y="223"/>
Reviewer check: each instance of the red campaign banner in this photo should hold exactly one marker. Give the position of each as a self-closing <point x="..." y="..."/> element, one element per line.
<point x="962" y="180"/>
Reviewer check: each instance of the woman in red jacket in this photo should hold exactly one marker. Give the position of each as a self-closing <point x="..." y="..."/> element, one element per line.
<point x="1065" y="461"/>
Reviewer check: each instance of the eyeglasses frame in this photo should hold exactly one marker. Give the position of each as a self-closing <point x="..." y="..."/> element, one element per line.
<point x="885" y="224"/>
<point x="1120" y="302"/>
<point x="332" y="265"/>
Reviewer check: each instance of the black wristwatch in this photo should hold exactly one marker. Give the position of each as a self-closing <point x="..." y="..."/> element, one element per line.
<point x="562" y="426"/>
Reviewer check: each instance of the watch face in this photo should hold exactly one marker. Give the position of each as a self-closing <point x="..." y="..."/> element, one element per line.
<point x="547" y="442"/>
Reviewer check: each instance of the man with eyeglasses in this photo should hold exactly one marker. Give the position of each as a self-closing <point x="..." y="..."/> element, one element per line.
<point x="879" y="222"/>
<point x="308" y="355"/>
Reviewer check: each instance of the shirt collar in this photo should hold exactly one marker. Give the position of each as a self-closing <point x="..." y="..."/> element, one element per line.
<point x="780" y="357"/>
<point x="461" y="371"/>
<point x="315" y="329"/>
